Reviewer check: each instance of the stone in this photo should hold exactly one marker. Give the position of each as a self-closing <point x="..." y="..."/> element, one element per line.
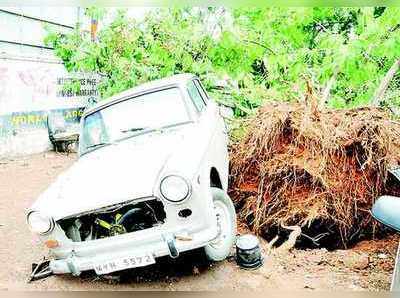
<point x="357" y="261"/>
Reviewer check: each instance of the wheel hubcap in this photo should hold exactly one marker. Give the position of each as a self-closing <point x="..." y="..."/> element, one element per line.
<point x="223" y="224"/>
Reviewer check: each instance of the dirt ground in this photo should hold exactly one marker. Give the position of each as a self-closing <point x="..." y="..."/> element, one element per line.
<point x="367" y="266"/>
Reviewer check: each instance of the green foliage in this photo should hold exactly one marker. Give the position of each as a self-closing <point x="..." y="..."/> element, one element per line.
<point x="96" y="13"/>
<point x="260" y="53"/>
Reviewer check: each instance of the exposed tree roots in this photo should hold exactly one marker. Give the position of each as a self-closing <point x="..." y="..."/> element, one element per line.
<point x="318" y="169"/>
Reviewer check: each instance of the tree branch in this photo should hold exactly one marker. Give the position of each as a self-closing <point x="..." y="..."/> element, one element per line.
<point x="397" y="26"/>
<point x="380" y="92"/>
<point x="327" y="91"/>
<point x="261" y="45"/>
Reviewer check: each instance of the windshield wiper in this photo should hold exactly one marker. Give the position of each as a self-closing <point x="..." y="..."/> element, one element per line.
<point x="133" y="129"/>
<point x="137" y="131"/>
<point x="143" y="130"/>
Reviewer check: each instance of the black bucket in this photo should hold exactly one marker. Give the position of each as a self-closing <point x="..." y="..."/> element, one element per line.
<point x="248" y="252"/>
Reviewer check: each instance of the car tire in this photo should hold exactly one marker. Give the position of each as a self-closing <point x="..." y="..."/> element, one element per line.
<point x="220" y="247"/>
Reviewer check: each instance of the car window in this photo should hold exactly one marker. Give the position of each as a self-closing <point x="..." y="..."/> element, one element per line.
<point x="94" y="129"/>
<point x="202" y="90"/>
<point x="196" y="96"/>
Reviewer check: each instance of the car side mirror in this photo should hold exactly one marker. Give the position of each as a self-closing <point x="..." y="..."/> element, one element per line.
<point x="387" y="211"/>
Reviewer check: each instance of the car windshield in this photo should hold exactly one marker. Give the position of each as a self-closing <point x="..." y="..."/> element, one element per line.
<point x="132" y="117"/>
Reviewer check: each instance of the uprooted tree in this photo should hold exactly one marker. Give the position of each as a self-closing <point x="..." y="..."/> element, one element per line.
<point x="318" y="169"/>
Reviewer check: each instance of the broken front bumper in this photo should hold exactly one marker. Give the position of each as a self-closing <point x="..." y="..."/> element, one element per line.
<point x="156" y="241"/>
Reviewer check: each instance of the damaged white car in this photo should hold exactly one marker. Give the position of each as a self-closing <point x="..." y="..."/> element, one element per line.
<point x="150" y="181"/>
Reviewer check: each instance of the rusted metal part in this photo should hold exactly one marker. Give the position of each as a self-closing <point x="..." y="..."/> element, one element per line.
<point x="61" y="134"/>
<point x="248" y="252"/>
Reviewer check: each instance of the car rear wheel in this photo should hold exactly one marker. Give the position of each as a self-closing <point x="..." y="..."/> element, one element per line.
<point x="219" y="248"/>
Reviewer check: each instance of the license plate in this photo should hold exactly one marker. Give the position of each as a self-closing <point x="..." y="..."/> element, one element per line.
<point x="118" y="264"/>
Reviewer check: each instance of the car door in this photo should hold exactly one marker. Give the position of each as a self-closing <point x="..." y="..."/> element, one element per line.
<point x="213" y="130"/>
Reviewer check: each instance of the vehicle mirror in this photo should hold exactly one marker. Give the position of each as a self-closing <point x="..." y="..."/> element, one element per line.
<point x="387" y="211"/>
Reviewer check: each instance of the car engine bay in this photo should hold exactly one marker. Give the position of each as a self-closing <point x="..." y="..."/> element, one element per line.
<point x="115" y="220"/>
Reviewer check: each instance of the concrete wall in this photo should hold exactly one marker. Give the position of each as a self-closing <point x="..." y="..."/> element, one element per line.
<point x="31" y="79"/>
<point x="29" y="90"/>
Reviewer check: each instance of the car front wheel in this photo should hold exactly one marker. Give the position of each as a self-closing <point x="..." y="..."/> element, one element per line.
<point x="219" y="248"/>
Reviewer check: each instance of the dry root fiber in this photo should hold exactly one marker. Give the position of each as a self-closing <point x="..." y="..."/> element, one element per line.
<point x="301" y="166"/>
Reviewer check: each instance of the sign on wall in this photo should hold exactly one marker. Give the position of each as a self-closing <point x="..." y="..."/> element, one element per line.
<point x="29" y="90"/>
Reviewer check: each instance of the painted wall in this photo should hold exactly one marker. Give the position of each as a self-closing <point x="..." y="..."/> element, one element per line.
<point x="29" y="90"/>
<point x="31" y="77"/>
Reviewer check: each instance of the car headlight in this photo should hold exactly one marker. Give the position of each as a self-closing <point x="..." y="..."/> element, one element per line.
<point x="40" y="223"/>
<point x="175" y="188"/>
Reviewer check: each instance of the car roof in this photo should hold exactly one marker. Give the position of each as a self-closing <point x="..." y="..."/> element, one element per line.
<point x="179" y="79"/>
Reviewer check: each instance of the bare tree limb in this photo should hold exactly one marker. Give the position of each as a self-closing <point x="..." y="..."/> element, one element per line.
<point x="289" y="244"/>
<point x="327" y="91"/>
<point x="394" y="28"/>
<point x="380" y="92"/>
<point x="261" y="45"/>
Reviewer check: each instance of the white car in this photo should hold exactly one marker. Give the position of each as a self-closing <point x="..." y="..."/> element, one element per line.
<point x="151" y="180"/>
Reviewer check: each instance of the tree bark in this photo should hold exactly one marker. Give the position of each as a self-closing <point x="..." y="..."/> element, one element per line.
<point x="327" y="91"/>
<point x="380" y="92"/>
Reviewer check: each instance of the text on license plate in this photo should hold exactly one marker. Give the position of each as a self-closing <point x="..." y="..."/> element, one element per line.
<point x="123" y="263"/>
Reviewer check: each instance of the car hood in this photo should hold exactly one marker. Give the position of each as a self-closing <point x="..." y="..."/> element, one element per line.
<point x="110" y="175"/>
